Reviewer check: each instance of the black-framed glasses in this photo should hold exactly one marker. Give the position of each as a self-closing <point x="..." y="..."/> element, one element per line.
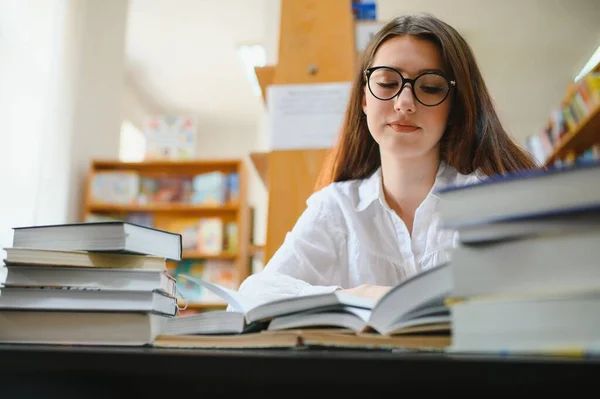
<point x="429" y="88"/>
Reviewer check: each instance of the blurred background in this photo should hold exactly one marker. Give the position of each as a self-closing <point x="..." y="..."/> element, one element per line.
<point x="85" y="80"/>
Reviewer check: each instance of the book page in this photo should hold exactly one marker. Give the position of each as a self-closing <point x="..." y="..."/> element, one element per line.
<point x="237" y="301"/>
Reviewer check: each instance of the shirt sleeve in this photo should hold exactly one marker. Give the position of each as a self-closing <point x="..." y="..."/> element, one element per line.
<point x="309" y="260"/>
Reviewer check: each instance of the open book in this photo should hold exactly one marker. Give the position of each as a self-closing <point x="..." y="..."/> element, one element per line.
<point x="415" y="305"/>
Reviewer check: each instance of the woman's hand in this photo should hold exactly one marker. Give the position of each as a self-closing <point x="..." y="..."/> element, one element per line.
<point x="368" y="291"/>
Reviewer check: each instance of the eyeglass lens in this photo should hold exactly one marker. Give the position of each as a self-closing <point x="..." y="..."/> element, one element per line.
<point x="430" y="88"/>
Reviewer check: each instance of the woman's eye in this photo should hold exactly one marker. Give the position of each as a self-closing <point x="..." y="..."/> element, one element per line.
<point x="431" y="89"/>
<point x="387" y="85"/>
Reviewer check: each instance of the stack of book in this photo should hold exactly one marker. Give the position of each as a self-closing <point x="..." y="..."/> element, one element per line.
<point x="103" y="283"/>
<point x="526" y="274"/>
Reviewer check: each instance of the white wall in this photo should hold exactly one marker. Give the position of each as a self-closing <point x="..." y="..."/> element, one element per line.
<point x="134" y="107"/>
<point x="98" y="107"/>
<point x="61" y="73"/>
<point x="27" y="43"/>
<point x="257" y="193"/>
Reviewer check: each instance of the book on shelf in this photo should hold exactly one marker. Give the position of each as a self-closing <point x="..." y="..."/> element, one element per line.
<point x="114" y="187"/>
<point x="210" y="188"/>
<point x="130" y="188"/>
<point x="109" y="236"/>
<point x="416" y="305"/>
<point x="577" y="114"/>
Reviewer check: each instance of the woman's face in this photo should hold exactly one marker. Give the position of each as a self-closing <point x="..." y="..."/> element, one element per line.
<point x="402" y="126"/>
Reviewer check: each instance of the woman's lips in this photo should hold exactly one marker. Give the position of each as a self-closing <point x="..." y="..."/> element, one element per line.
<point x="401" y="128"/>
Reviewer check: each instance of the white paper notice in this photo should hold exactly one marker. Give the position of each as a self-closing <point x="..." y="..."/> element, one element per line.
<point x="306" y="116"/>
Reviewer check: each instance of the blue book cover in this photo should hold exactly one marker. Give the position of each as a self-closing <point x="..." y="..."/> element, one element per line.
<point x="526" y="174"/>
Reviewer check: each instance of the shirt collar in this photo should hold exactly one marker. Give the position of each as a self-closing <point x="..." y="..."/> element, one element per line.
<point x="371" y="188"/>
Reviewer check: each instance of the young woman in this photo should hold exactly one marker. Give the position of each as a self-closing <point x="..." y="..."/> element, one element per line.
<point x="419" y="117"/>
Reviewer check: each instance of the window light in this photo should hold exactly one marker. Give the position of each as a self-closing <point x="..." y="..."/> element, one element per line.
<point x="133" y="143"/>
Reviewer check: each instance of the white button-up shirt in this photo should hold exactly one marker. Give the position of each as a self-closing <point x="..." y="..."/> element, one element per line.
<point x="348" y="236"/>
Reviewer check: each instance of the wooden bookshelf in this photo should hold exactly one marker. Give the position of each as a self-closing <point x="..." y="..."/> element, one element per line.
<point x="582" y="136"/>
<point x="168" y="208"/>
<point x="204" y="255"/>
<point x="164" y="214"/>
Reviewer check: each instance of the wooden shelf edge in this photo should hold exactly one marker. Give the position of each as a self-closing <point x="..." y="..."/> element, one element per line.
<point x="200" y="255"/>
<point x="102" y="163"/>
<point x="97" y="207"/>
<point x="260" y="160"/>
<point x="584" y="135"/>
<point x="265" y="76"/>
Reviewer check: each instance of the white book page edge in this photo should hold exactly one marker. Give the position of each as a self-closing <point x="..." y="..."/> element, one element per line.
<point x="232" y="297"/>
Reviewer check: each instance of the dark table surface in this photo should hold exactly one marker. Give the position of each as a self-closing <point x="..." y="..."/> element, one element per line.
<point x="90" y="372"/>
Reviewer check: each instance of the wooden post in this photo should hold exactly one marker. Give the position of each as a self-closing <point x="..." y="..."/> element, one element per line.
<point x="316" y="45"/>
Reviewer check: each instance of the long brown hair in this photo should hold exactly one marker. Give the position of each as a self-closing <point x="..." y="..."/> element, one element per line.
<point x="474" y="138"/>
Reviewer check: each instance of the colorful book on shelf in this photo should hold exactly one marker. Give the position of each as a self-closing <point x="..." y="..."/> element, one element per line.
<point x="172" y="189"/>
<point x="210" y="236"/>
<point x="115" y="187"/>
<point x="210" y="188"/>
<point x="187" y="226"/>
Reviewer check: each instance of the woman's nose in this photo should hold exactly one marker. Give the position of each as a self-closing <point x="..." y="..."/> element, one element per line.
<point x="405" y="100"/>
